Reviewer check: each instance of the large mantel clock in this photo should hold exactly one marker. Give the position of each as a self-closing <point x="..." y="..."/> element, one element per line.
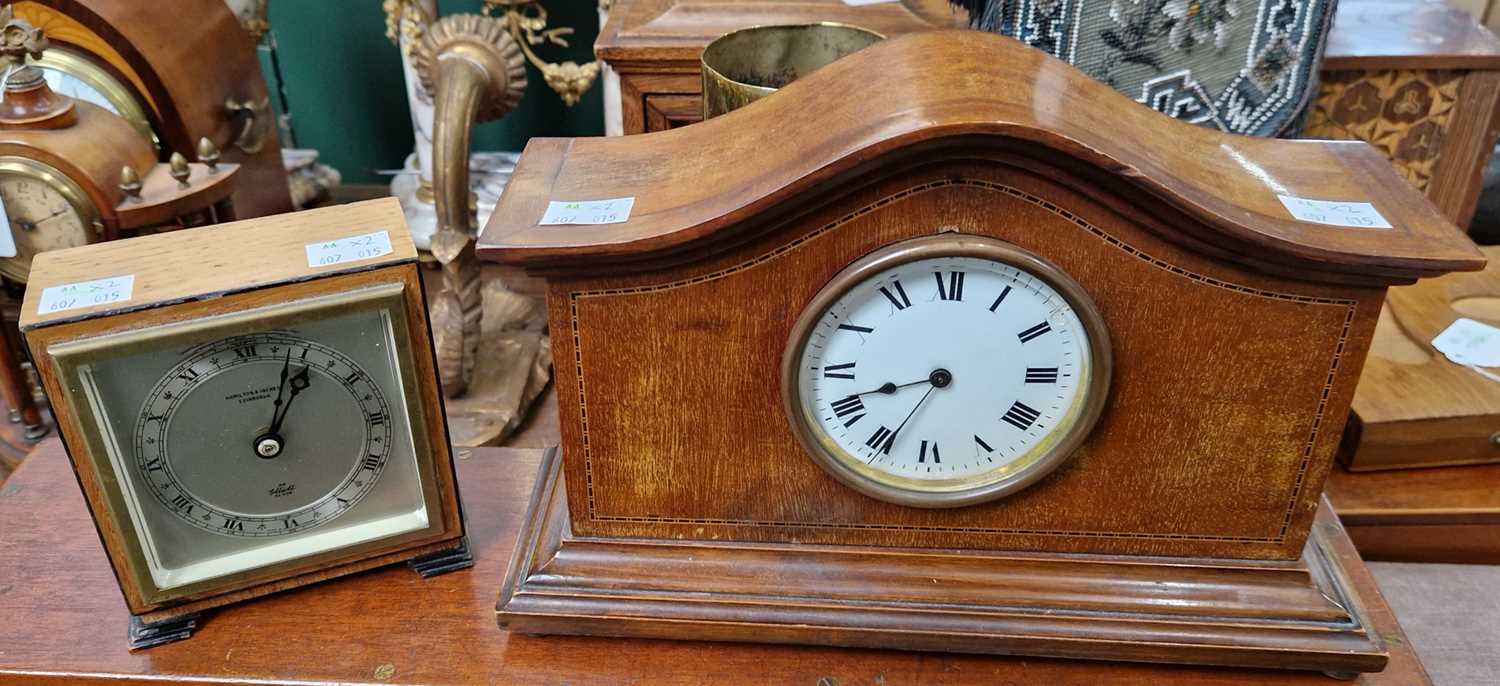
<point x="993" y="360"/>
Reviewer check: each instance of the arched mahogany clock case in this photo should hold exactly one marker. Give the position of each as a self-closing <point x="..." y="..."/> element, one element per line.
<point x="1186" y="527"/>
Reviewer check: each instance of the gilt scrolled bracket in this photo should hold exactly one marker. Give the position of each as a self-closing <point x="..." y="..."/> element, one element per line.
<point x="474" y="71"/>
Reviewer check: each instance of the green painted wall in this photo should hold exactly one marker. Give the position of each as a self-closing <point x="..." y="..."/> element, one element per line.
<point x="341" y="82"/>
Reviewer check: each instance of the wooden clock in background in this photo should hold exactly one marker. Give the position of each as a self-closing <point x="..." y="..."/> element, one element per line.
<point x="73" y="172"/>
<point x="186" y="68"/>
<point x="170" y="93"/>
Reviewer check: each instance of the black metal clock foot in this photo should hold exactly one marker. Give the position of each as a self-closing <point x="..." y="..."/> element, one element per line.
<point x="35" y="432"/>
<point x="144" y="635"/>
<point x="444" y="561"/>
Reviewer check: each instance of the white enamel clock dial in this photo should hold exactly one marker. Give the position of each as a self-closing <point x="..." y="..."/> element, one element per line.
<point x="947" y="371"/>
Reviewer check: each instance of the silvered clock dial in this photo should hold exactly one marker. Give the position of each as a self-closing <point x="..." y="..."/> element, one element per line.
<point x="252" y="440"/>
<point x="302" y="431"/>
<point x="946" y="371"/>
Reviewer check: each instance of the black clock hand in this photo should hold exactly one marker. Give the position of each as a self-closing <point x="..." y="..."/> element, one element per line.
<point x="54" y="215"/>
<point x="939" y="378"/>
<point x="280" y="387"/>
<point x="909" y="415"/>
<point x="889" y="387"/>
<point x="299" y="383"/>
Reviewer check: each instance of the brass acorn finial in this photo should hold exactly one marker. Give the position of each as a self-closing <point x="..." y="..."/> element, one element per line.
<point x="179" y="169"/>
<point x="130" y="183"/>
<point x="208" y="154"/>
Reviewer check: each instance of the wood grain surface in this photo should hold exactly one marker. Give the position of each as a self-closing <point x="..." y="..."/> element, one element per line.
<point x="1297" y="615"/>
<point x="1366" y="34"/>
<point x="1414" y="407"/>
<point x="224" y="258"/>
<point x="430" y="439"/>
<point x="91" y="151"/>
<point x="191" y="56"/>
<point x="1443" y="514"/>
<point x="1232" y="476"/>
<point x="253" y="267"/>
<point x="675" y="321"/>
<point x="654" y="46"/>
<point x="960" y="94"/>
<point x="390" y="627"/>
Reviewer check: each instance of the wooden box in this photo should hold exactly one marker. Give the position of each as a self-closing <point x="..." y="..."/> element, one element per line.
<point x="1414" y="407"/>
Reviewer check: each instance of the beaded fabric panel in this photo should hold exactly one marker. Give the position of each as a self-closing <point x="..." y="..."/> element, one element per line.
<point x="1237" y="66"/>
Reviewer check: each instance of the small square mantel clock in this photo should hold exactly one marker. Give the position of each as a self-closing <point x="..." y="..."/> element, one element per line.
<point x="991" y="360"/>
<point x="248" y="407"/>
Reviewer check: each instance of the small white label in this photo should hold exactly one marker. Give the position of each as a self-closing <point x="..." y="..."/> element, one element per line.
<point x="7" y="239"/>
<point x="351" y="249"/>
<point x="587" y="212"/>
<point x="1359" y="215"/>
<point x="115" y="289"/>
<point x="1468" y="342"/>
<point x="861" y="3"/>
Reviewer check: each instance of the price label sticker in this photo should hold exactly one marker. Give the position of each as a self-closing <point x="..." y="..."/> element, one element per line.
<point x="1468" y="342"/>
<point x="7" y="239"/>
<point x="1359" y="215"/>
<point x="115" y="289"/>
<point x="585" y="212"/>
<point x="351" y="249"/>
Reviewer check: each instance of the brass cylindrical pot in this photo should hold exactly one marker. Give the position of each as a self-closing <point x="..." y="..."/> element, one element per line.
<point x="743" y="66"/>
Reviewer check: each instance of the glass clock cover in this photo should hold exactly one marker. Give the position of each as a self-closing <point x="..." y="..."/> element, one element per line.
<point x="240" y="447"/>
<point x="947" y="371"/>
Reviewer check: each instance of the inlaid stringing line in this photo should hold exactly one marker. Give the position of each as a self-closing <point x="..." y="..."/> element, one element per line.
<point x="1308" y="447"/>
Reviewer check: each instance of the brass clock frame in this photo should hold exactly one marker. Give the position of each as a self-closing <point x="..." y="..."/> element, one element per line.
<point x="70" y="354"/>
<point x="45" y="173"/>
<point x="1049" y="454"/>
<point x="120" y="96"/>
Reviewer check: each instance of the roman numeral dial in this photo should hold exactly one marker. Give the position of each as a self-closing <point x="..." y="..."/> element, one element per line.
<point x="943" y="373"/>
<point x="263" y="435"/>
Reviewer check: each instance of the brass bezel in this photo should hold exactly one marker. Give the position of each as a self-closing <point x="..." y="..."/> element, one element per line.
<point x="88" y="214"/>
<point x="1041" y="460"/>
<point x="121" y="96"/>
<point x="69" y="355"/>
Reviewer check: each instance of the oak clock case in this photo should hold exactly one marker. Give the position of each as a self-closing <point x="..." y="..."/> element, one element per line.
<point x="1161" y="391"/>
<point x="909" y="349"/>
<point x="258" y="440"/>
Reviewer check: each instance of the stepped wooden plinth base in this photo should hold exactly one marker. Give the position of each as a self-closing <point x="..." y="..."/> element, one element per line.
<point x="1294" y="615"/>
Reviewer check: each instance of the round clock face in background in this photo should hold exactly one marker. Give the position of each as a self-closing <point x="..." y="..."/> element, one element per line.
<point x="40" y="213"/>
<point x="262" y="435"/>
<point x="945" y="371"/>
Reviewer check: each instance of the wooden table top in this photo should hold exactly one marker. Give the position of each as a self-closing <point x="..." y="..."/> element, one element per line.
<point x="63" y="620"/>
<point x="1443" y="514"/>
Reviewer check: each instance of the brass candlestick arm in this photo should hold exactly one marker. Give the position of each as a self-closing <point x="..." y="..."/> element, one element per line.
<point x="474" y="71"/>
